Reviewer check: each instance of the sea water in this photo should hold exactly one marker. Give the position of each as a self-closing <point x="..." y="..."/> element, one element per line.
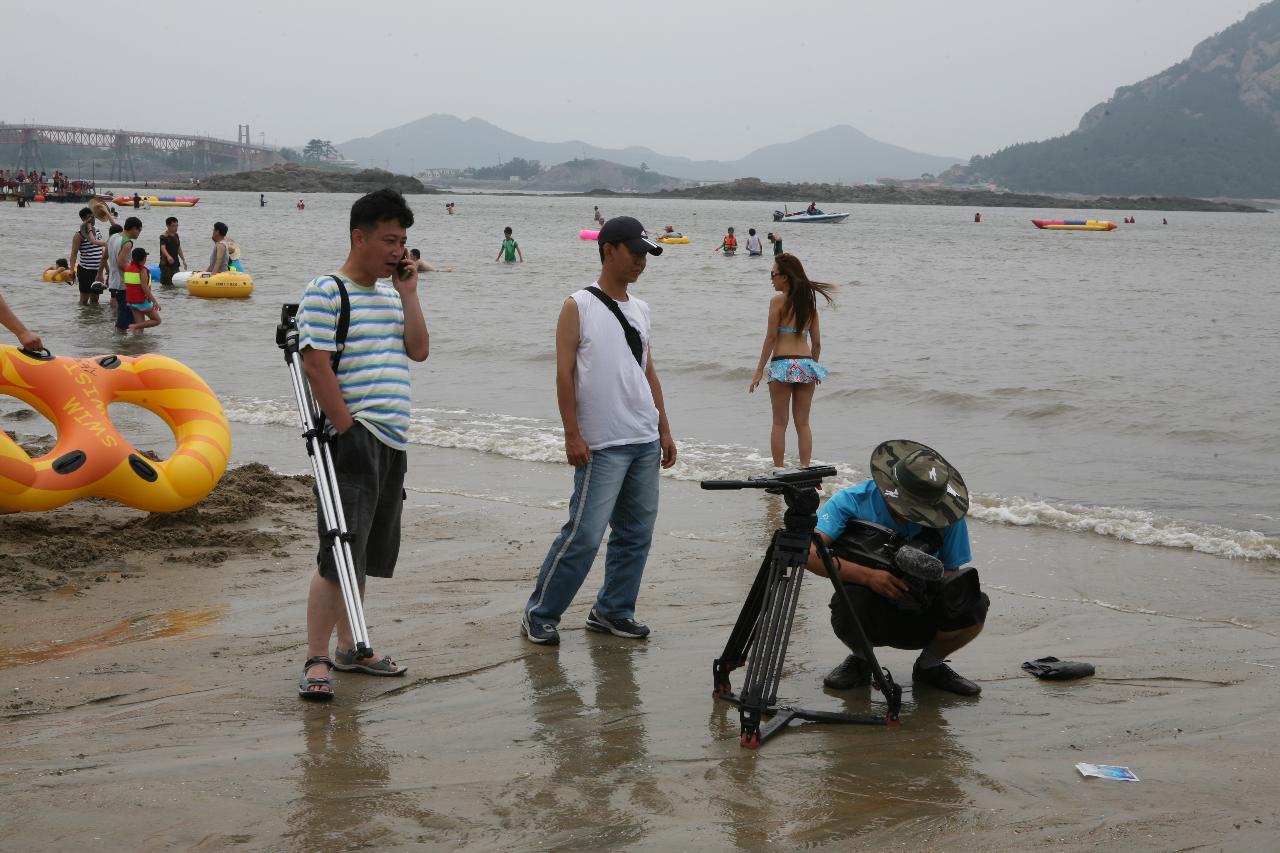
<point x="1120" y="384"/>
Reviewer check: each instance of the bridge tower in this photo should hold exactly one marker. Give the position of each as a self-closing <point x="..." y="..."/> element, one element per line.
<point x="201" y="162"/>
<point x="122" y="165"/>
<point x="29" y="154"/>
<point x="242" y="137"/>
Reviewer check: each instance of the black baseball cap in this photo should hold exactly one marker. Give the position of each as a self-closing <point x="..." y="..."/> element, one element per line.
<point x="628" y="231"/>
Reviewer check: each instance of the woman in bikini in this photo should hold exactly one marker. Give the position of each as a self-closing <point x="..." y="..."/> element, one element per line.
<point x="792" y="345"/>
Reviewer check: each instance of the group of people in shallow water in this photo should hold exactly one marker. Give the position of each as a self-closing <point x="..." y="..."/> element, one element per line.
<point x="755" y="248"/>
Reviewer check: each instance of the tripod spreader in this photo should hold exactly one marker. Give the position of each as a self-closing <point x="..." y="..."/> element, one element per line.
<point x="760" y="636"/>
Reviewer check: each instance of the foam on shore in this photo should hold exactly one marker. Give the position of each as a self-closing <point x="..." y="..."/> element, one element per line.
<point x="539" y="440"/>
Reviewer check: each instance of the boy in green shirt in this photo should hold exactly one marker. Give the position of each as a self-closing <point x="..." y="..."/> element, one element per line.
<point x="510" y="248"/>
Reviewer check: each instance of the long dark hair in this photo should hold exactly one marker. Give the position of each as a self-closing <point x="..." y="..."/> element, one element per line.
<point x="801" y="303"/>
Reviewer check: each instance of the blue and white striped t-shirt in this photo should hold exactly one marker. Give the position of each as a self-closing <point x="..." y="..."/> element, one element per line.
<point x="374" y="371"/>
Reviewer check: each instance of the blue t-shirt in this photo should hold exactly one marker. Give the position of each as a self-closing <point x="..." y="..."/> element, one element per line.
<point x="864" y="502"/>
<point x="374" y="371"/>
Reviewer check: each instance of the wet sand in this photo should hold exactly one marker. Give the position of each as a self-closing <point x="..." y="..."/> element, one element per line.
<point x="147" y="670"/>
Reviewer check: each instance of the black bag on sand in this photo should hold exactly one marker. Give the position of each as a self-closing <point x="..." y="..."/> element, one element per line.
<point x="1052" y="669"/>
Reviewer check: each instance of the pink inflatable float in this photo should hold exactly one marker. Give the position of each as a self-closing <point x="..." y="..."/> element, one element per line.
<point x="586" y="234"/>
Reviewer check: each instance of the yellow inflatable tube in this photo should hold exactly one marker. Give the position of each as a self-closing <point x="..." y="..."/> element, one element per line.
<point x="91" y="458"/>
<point x="224" y="285"/>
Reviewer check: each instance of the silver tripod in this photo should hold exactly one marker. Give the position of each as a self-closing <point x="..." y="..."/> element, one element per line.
<point x="335" y="533"/>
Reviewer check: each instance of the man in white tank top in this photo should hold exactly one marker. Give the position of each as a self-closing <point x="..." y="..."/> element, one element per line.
<point x="615" y="435"/>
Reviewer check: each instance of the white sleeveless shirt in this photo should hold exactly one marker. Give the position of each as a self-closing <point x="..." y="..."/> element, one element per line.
<point x="615" y="403"/>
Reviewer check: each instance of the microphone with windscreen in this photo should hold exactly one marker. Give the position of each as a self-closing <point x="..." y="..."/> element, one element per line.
<point x="917" y="564"/>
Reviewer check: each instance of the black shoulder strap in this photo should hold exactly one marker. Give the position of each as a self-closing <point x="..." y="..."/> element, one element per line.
<point x="344" y="322"/>
<point x="633" y="337"/>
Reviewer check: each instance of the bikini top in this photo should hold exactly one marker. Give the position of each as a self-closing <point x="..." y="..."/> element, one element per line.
<point x="788" y="329"/>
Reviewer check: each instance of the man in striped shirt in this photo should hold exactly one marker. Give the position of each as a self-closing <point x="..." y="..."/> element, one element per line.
<point x="86" y="248"/>
<point x="366" y="405"/>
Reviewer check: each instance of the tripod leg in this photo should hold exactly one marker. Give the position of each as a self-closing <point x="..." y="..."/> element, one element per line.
<point x="882" y="678"/>
<point x="764" y="669"/>
<point x="735" y="651"/>
<point x="344" y="562"/>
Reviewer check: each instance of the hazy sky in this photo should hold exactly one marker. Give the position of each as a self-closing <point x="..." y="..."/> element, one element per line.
<point x="701" y="79"/>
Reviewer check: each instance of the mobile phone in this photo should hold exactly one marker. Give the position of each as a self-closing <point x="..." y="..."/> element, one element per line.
<point x="403" y="269"/>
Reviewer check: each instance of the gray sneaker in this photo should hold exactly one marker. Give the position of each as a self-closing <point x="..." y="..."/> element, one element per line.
<point x="618" y="627"/>
<point x="544" y="634"/>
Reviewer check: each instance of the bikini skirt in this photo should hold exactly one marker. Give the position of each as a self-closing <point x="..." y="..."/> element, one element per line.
<point x="796" y="371"/>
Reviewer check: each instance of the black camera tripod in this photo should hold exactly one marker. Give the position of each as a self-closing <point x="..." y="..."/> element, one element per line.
<point x="760" y="636"/>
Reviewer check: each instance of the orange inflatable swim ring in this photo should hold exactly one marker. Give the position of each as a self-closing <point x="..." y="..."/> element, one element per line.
<point x="91" y="458"/>
<point x="60" y="275"/>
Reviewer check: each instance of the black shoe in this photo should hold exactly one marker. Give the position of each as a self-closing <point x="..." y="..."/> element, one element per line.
<point x="544" y="634"/>
<point x="853" y="671"/>
<point x="945" y="678"/>
<point x="618" y="627"/>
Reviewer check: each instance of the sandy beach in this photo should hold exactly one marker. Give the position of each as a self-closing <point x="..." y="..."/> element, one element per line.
<point x="147" y="667"/>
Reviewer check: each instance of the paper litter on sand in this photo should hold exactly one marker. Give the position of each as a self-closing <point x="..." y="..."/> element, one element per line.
<point x="1107" y="771"/>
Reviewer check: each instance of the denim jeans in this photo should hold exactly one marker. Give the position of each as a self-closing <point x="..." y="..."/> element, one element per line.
<point x="617" y="487"/>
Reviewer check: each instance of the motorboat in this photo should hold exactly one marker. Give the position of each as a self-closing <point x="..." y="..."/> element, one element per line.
<point x="806" y="216"/>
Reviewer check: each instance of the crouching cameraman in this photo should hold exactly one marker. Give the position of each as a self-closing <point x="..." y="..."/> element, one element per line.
<point x="915" y="493"/>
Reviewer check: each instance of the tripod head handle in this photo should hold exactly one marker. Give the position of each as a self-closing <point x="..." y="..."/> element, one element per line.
<point x="792" y="478"/>
<point x="287" y="330"/>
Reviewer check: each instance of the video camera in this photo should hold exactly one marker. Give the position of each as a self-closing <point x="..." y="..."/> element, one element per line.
<point x="912" y="561"/>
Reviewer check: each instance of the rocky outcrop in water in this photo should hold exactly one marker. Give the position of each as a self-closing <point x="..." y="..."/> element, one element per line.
<point x="295" y="178"/>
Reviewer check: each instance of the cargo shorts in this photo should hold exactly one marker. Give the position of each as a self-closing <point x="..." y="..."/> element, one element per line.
<point x="371" y="483"/>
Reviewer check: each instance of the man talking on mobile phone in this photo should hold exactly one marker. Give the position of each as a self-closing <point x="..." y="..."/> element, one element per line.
<point x="362" y="386"/>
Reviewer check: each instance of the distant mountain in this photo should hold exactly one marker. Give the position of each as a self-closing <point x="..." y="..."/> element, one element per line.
<point x="1208" y="126"/>
<point x="838" y="154"/>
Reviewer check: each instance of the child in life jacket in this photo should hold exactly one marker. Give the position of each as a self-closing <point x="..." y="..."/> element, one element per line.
<point x="137" y="293"/>
<point x="730" y="244"/>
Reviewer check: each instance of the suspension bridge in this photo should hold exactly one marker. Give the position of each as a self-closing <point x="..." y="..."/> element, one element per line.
<point x="124" y="146"/>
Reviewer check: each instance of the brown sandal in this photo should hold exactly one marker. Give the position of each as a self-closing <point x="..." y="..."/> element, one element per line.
<point x="305" y="683"/>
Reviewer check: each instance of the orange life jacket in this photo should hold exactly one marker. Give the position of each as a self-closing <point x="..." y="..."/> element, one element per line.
<point x="730" y="241"/>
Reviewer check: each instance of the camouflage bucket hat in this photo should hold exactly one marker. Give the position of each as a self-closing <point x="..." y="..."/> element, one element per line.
<point x="918" y="484"/>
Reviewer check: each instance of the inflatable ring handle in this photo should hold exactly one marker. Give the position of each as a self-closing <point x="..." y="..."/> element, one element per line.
<point x="38" y="354"/>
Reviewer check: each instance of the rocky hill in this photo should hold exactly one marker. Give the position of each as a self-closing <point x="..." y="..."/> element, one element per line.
<point x="293" y="178"/>
<point x="1208" y="126"/>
